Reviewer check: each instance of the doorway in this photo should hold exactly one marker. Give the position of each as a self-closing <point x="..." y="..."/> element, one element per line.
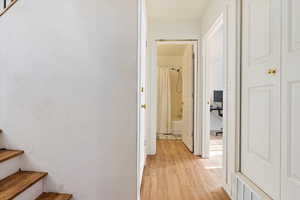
<point x="214" y="104"/>
<point x="176" y="65"/>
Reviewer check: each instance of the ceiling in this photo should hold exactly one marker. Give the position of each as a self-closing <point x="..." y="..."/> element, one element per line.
<point x="166" y="10"/>
<point x="171" y="49"/>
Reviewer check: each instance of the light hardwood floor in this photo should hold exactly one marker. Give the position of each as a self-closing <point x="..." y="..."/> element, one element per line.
<point x="176" y="174"/>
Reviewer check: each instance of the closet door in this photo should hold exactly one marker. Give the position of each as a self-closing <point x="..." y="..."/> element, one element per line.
<point x="291" y="100"/>
<point x="261" y="94"/>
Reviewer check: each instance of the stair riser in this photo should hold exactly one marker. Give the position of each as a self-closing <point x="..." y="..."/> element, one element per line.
<point x="9" y="167"/>
<point x="32" y="193"/>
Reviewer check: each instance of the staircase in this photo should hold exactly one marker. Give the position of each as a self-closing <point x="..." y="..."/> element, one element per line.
<point x="22" y="185"/>
<point x="14" y="182"/>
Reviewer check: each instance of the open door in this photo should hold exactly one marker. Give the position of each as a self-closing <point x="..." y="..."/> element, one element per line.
<point x="188" y="98"/>
<point x="142" y="96"/>
<point x="206" y="108"/>
<point x="213" y="78"/>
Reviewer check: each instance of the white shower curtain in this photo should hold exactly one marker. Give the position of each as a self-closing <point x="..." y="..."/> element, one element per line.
<point x="164" y="101"/>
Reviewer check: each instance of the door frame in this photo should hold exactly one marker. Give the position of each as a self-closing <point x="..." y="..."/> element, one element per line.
<point x="141" y="58"/>
<point x="219" y="23"/>
<point x="153" y="93"/>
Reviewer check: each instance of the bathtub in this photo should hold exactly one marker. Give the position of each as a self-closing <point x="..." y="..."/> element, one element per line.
<point x="177" y="127"/>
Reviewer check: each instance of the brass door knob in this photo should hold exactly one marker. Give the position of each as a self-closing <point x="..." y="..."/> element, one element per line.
<point x="144" y="106"/>
<point x="272" y="71"/>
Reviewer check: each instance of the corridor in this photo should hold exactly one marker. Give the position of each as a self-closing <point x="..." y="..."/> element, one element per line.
<point x="176" y="174"/>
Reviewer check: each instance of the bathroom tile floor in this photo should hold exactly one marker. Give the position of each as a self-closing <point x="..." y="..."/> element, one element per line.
<point x="174" y="173"/>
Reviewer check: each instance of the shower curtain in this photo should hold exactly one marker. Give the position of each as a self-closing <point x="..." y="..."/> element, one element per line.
<point x="164" y="101"/>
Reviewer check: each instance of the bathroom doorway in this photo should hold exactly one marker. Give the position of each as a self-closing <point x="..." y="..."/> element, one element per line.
<point x="176" y="63"/>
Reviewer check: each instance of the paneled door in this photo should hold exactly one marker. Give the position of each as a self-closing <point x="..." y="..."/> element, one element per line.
<point x="261" y="94"/>
<point x="291" y="100"/>
<point x="188" y="99"/>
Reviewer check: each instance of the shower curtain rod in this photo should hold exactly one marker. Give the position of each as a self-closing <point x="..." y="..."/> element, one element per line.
<point x="171" y="68"/>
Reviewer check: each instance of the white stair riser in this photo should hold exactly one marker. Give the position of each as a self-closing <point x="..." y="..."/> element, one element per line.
<point x="10" y="167"/>
<point x="33" y="192"/>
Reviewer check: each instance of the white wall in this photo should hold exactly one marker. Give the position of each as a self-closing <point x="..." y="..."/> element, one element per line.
<point x="68" y="93"/>
<point x="213" y="11"/>
<point x="161" y="28"/>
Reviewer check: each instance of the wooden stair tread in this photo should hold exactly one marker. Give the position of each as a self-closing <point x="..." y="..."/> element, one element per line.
<point x="54" y="196"/>
<point x="13" y="185"/>
<point x="8" y="154"/>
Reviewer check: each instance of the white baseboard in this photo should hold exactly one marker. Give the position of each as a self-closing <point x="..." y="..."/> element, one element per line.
<point x="227" y="189"/>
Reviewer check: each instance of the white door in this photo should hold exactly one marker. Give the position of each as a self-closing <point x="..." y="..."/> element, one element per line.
<point x="207" y="100"/>
<point x="188" y="99"/>
<point x="142" y="96"/>
<point x="213" y="79"/>
<point x="261" y="94"/>
<point x="291" y="100"/>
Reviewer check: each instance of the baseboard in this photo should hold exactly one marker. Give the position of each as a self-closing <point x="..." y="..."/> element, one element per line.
<point x="226" y="188"/>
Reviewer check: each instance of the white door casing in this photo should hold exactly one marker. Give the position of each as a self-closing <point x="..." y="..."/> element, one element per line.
<point x="188" y="99"/>
<point x="291" y="100"/>
<point x="261" y="94"/>
<point x="206" y="101"/>
<point x="142" y="94"/>
<point x="195" y="41"/>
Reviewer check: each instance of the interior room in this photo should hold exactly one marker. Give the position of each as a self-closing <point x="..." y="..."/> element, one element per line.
<point x="171" y="64"/>
<point x="216" y="147"/>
